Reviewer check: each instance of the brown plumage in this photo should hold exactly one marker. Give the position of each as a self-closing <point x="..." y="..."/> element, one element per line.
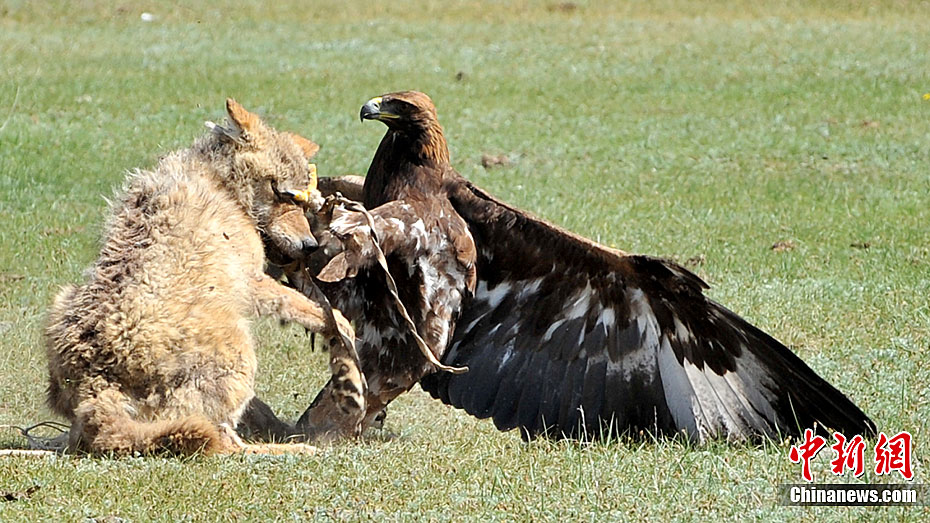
<point x="562" y="336"/>
<point x="430" y="252"/>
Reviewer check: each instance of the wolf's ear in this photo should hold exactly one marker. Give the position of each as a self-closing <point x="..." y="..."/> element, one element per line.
<point x="308" y="147"/>
<point x="241" y="118"/>
<point x="242" y="123"/>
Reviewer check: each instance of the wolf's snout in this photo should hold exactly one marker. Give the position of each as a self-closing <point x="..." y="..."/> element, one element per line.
<point x="308" y="245"/>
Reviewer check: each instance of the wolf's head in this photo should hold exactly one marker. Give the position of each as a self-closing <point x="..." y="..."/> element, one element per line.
<point x="270" y="174"/>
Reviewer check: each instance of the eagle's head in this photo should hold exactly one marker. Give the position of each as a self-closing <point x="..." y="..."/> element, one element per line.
<point x="414" y="139"/>
<point x="403" y="111"/>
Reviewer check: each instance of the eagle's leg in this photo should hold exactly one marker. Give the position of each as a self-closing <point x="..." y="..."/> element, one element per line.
<point x="338" y="410"/>
<point x="336" y="413"/>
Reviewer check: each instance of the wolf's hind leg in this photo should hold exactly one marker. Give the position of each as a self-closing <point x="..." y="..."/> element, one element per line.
<point x="106" y="423"/>
<point x="265" y="448"/>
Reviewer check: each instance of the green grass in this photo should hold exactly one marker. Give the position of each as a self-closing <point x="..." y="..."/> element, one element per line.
<point x="704" y="130"/>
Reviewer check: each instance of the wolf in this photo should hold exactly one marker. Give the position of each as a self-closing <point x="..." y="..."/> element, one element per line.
<point x="153" y="352"/>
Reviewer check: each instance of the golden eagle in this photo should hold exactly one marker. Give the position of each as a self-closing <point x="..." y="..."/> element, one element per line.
<point x="561" y="336"/>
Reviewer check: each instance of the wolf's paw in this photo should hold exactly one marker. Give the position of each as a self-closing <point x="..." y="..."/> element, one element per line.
<point x="276" y="449"/>
<point x="229" y="442"/>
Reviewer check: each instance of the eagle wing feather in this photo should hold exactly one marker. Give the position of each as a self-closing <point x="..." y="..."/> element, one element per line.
<point x="565" y="337"/>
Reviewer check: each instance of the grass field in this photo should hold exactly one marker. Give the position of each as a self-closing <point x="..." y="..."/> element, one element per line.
<point x="702" y="131"/>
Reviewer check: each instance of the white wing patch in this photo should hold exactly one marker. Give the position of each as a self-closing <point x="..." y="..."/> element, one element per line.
<point x="551" y="330"/>
<point x="418" y="233"/>
<point x="751" y="382"/>
<point x="708" y="405"/>
<point x="581" y="303"/>
<point x="700" y="401"/>
<point x="607" y="318"/>
<point x="349" y="222"/>
<point x="681" y="331"/>
<point x="497" y="294"/>
<point x="528" y="288"/>
<point x="709" y="418"/>
<point x="508" y="354"/>
<point x="643" y="359"/>
<point x="679" y="396"/>
<point x="734" y="414"/>
<point x="431" y="280"/>
<point x="398" y="223"/>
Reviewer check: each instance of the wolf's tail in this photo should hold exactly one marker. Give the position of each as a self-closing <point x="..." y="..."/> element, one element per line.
<point x="106" y="424"/>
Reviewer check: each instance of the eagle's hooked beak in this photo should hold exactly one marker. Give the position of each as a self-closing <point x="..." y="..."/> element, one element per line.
<point x="372" y="111"/>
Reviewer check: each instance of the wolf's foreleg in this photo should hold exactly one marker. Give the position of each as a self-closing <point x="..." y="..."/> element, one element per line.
<point x="273" y="299"/>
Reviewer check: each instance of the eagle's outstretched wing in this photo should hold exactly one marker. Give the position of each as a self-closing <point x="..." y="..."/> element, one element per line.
<point x="566" y="337"/>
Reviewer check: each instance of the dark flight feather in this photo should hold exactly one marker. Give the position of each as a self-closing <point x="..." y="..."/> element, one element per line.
<point x="567" y="338"/>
